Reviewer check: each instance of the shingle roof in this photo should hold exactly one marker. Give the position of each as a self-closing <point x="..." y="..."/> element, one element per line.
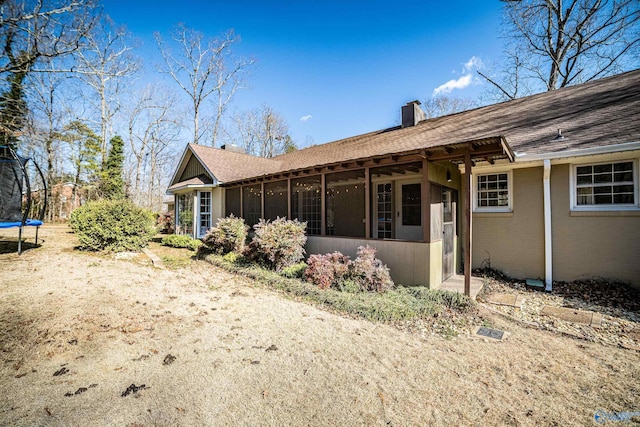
<point x="599" y="113"/>
<point x="228" y="166"/>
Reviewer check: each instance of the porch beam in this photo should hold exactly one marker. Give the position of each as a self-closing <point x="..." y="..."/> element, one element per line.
<point x="467" y="224"/>
<point x="425" y="190"/>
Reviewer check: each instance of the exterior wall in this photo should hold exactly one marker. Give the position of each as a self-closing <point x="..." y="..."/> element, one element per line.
<point x="217" y="205"/>
<point x="407" y="261"/>
<point x="513" y="242"/>
<point x="592" y="244"/>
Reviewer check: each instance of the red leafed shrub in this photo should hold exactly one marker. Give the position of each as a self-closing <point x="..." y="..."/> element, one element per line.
<point x="328" y="271"/>
<point x="369" y="272"/>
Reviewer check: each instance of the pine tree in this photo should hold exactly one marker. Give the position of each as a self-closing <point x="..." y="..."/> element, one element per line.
<point x="112" y="182"/>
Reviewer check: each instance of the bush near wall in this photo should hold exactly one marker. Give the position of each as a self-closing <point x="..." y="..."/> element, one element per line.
<point x="229" y="235"/>
<point x="112" y="225"/>
<point x="278" y="244"/>
<point x="336" y="271"/>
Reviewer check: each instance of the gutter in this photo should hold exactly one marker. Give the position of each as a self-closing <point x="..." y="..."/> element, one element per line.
<point x="548" y="254"/>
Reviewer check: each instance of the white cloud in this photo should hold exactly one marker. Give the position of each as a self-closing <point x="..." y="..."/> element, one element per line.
<point x="306" y="118"/>
<point x="465" y="80"/>
<point x="459" y="83"/>
<point x="473" y="63"/>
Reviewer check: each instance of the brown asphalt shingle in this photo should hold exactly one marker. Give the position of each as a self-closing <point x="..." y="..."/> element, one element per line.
<point x="595" y="114"/>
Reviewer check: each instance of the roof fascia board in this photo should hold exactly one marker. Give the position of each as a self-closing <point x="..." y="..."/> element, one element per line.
<point x="629" y="146"/>
<point x="189" y="187"/>
<point x="620" y="152"/>
<point x="181" y="165"/>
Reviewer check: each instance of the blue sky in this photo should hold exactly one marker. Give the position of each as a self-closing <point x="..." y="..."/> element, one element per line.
<point x="335" y="69"/>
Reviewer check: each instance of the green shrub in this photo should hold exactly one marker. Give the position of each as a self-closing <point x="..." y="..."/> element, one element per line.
<point x="112" y="225"/>
<point x="229" y="235"/>
<point x="181" y="241"/>
<point x="329" y="270"/>
<point x="278" y="244"/>
<point x="295" y="271"/>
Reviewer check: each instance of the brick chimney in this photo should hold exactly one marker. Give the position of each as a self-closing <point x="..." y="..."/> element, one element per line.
<point x="412" y="114"/>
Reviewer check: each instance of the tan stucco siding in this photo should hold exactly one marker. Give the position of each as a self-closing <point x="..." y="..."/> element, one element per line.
<point x="514" y="242"/>
<point x="594" y="244"/>
<point x="217" y="205"/>
<point x="408" y="262"/>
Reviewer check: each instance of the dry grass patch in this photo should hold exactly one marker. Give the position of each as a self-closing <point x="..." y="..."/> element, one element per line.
<point x="211" y="348"/>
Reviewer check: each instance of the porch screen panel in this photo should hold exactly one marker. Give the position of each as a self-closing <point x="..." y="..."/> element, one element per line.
<point x="251" y="204"/>
<point x="345" y="204"/>
<point x="305" y="202"/>
<point x="232" y="201"/>
<point x="275" y="200"/>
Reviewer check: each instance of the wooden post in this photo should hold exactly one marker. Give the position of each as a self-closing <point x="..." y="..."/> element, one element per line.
<point x="367" y="204"/>
<point x="262" y="198"/>
<point x="425" y="190"/>
<point x="467" y="224"/>
<point x="289" y="196"/>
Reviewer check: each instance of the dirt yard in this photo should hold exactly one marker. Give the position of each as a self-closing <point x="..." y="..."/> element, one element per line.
<point x="88" y="340"/>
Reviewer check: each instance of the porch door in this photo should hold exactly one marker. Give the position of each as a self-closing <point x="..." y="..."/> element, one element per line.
<point x="204" y="221"/>
<point x="408" y="211"/>
<point x="448" y="231"/>
<point x="384" y="210"/>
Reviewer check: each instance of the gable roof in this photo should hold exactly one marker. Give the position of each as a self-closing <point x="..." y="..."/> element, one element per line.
<point x="228" y="166"/>
<point x="600" y="113"/>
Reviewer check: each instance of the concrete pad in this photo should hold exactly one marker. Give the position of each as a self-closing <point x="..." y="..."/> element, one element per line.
<point x="573" y="315"/>
<point x="511" y="300"/>
<point x="456" y="284"/>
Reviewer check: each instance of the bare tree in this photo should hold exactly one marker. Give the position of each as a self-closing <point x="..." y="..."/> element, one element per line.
<point x="34" y="32"/>
<point x="261" y="132"/>
<point x="204" y="68"/>
<point x="105" y="63"/>
<point x="153" y="127"/>
<point x="50" y="110"/>
<point x="556" y="43"/>
<point x="443" y="105"/>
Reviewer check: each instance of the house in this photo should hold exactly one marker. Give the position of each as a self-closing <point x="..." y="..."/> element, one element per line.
<point x="544" y="187"/>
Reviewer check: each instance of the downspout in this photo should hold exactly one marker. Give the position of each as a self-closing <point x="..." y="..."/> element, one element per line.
<point x="548" y="270"/>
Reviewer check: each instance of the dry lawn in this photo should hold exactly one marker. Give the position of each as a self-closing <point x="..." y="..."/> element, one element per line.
<point x="77" y="330"/>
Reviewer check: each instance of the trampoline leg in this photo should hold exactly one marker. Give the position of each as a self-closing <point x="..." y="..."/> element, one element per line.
<point x="37" y="228"/>
<point x="19" y="240"/>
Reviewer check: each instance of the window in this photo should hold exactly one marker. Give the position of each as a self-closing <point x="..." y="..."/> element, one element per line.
<point x="205" y="212"/>
<point x="305" y="203"/>
<point x="384" y="202"/>
<point x="184" y="222"/>
<point x="411" y="205"/>
<point x="493" y="192"/>
<point x="604" y="185"/>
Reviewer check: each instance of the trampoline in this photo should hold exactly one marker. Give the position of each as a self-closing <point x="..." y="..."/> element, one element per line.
<point x="23" y="193"/>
